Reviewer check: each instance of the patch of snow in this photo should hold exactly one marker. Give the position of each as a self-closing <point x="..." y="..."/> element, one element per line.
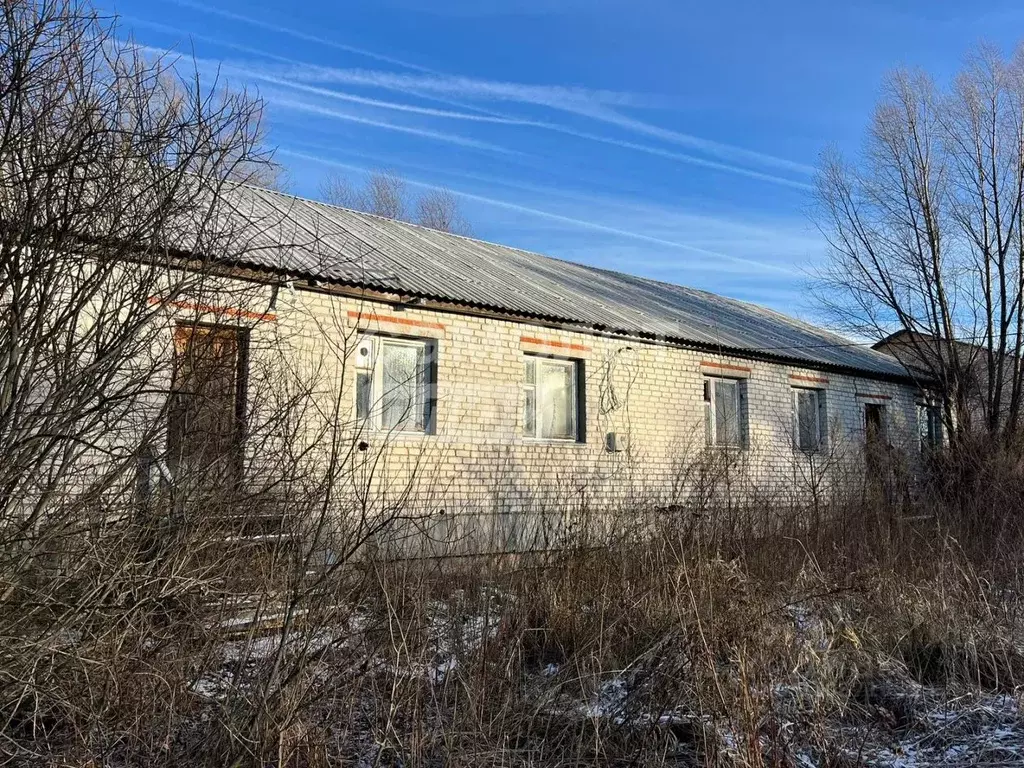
<point x="213" y="684"/>
<point x="968" y="730"/>
<point x="438" y="672"/>
<point x="609" y="700"/>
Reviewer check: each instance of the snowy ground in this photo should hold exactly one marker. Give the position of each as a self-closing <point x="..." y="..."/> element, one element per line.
<point x="981" y="730"/>
<point x="911" y="726"/>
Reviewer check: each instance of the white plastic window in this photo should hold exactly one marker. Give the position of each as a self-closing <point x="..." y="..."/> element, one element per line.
<point x="723" y="412"/>
<point x="550" y="409"/>
<point x="394" y="383"/>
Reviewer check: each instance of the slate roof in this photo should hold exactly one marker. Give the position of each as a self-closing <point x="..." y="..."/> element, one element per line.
<point x="305" y="238"/>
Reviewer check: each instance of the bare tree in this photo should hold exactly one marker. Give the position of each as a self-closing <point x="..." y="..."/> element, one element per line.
<point x="336" y="189"/>
<point x="439" y="209"/>
<point x="386" y="194"/>
<point x="926" y="235"/>
<point x="107" y="173"/>
<point x="173" y="470"/>
<point x="113" y="168"/>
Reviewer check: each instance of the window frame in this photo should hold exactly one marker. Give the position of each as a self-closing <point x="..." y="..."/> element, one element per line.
<point x="930" y="429"/>
<point x="577" y="405"/>
<point x="374" y="418"/>
<point x="882" y="435"/>
<point x="820" y="419"/>
<point x="710" y="399"/>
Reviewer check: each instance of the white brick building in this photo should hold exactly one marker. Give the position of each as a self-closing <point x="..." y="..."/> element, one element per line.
<point x="486" y="384"/>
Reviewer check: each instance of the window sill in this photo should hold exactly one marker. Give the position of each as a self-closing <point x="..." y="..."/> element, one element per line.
<point x="551" y="441"/>
<point x="372" y="433"/>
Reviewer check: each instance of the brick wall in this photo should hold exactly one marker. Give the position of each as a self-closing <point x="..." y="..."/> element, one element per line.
<point x="478" y="462"/>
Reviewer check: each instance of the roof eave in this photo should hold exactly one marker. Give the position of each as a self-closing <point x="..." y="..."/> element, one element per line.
<point x="388" y="295"/>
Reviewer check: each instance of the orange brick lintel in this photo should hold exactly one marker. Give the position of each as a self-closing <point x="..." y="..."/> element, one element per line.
<point x="870" y="396"/>
<point x="373" y="317"/>
<point x="214" y="309"/>
<point x="725" y="366"/>
<point x="808" y="379"/>
<point x="555" y="344"/>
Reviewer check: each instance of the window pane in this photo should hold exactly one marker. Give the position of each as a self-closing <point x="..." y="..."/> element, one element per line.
<point x="364" y="353"/>
<point x="929" y="419"/>
<point x="364" y="394"/>
<point x="530" y="412"/>
<point x="874" y="422"/>
<point x="402" y="382"/>
<point x="709" y="432"/>
<point x="727" y="412"/>
<point x="935" y="425"/>
<point x="807" y="419"/>
<point x="557" y="417"/>
<point x="530" y="398"/>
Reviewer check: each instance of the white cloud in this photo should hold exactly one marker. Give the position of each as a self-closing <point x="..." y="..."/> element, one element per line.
<point x="298" y="34"/>
<point x="476" y="8"/>
<point x="329" y="93"/>
<point x="594" y="104"/>
<point x="257" y="73"/>
<point x="335" y="114"/>
<point x="277" y="99"/>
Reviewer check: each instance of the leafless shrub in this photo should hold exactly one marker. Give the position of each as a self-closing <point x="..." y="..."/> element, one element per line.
<point x="654" y="653"/>
<point x="338" y="190"/>
<point x="130" y="551"/>
<point x="385" y="195"/>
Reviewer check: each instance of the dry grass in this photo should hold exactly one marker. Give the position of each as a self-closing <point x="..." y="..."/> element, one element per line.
<point x="877" y="637"/>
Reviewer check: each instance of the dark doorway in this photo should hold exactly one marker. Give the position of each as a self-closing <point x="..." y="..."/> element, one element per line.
<point x="207" y="408"/>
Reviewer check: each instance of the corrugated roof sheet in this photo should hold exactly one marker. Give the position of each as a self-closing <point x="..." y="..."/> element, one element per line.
<point x="313" y="239"/>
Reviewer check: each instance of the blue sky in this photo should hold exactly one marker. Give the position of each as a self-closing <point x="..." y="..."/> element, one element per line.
<point x="675" y="140"/>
